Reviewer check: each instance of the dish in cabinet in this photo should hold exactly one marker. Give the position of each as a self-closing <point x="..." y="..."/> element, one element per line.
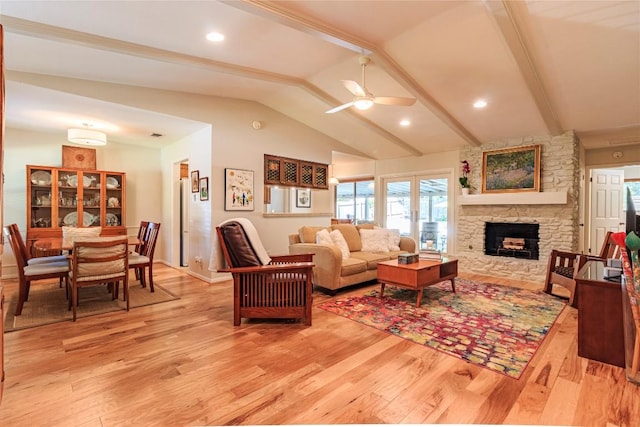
<point x="72" y="180"/>
<point x="112" y="219"/>
<point x="41" y="178"/>
<point x="71" y="219"/>
<point x="112" y="183"/>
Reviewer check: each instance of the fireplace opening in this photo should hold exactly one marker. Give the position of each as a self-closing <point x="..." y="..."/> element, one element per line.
<point x="511" y="239"/>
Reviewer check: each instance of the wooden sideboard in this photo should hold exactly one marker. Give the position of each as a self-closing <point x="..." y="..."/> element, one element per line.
<point x="600" y="323"/>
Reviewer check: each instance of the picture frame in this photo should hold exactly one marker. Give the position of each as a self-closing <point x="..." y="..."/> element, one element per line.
<point x="303" y="198"/>
<point x="195" y="181"/>
<point x="204" y="188"/>
<point x="511" y="170"/>
<point x="239" y="193"/>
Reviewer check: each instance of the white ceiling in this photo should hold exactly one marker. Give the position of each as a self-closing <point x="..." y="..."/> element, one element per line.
<point x="543" y="66"/>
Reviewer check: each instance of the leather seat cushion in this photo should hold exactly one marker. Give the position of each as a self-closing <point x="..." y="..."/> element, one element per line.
<point x="240" y="250"/>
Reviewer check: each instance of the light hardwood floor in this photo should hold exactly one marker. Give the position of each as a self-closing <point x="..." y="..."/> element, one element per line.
<point x="183" y="363"/>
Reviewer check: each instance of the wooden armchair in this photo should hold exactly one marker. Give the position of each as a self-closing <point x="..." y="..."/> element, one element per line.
<point x="282" y="288"/>
<point x="563" y="267"/>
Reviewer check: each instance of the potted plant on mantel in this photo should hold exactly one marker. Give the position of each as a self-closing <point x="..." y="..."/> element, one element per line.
<point x="464" y="179"/>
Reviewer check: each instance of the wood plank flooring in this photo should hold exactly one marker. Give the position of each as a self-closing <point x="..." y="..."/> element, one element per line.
<point x="183" y="363"/>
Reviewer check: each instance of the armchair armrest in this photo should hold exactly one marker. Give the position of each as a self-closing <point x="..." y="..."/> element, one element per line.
<point x="286" y="258"/>
<point x="327" y="259"/>
<point x="271" y="268"/>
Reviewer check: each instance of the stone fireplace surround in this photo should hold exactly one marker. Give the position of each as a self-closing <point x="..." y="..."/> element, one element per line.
<point x="558" y="221"/>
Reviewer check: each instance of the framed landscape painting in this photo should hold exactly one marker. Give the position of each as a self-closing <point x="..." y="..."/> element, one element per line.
<point x="511" y="170"/>
<point x="238" y="185"/>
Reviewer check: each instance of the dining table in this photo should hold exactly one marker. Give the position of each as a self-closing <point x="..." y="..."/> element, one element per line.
<point x="55" y="244"/>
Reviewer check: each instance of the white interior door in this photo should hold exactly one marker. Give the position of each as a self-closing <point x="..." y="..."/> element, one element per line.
<point x="607" y="190"/>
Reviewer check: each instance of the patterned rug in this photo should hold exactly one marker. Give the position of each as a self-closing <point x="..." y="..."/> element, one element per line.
<point x="48" y="304"/>
<point x="493" y="326"/>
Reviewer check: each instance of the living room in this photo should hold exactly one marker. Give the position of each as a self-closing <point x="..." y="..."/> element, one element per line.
<point x="219" y="131"/>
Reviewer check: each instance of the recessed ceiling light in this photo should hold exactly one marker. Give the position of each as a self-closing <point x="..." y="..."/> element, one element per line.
<point x="480" y="103"/>
<point x="215" y="37"/>
<point x="405" y="122"/>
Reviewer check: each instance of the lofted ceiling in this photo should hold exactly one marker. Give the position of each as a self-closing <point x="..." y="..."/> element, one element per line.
<point x="544" y="67"/>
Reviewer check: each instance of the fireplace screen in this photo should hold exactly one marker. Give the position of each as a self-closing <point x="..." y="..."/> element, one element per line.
<point x="510" y="239"/>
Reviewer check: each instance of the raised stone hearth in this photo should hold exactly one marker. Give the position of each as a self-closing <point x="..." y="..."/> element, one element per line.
<point x="558" y="222"/>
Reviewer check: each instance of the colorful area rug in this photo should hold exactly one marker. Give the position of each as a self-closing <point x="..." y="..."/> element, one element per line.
<point x="497" y="327"/>
<point x="47" y="304"/>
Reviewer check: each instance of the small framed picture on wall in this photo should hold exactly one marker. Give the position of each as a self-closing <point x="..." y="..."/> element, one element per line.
<point x="303" y="198"/>
<point x="204" y="188"/>
<point x="195" y="181"/>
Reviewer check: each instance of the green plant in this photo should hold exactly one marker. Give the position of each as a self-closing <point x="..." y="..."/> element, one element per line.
<point x="464" y="179"/>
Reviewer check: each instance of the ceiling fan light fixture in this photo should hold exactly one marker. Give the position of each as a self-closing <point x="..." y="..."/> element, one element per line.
<point x="87" y="137"/>
<point x="363" y="104"/>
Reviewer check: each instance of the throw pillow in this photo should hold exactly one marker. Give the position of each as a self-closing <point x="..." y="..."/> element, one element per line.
<point x="72" y="233"/>
<point x="323" y="237"/>
<point x="374" y="240"/>
<point x="394" y="239"/>
<point x="340" y="242"/>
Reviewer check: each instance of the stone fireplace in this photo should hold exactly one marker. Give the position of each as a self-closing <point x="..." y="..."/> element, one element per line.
<point x="511" y="239"/>
<point x="556" y="218"/>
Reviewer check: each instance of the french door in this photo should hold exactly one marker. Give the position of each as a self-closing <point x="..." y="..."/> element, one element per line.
<point x="417" y="205"/>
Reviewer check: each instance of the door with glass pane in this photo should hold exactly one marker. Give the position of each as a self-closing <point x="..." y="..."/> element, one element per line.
<point x="418" y="207"/>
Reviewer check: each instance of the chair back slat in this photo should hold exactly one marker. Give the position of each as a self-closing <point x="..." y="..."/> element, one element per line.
<point x="142" y="235"/>
<point x="10" y="234"/>
<point x="148" y="246"/>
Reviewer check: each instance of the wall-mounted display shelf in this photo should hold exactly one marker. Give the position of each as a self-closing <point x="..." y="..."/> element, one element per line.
<point x="295" y="173"/>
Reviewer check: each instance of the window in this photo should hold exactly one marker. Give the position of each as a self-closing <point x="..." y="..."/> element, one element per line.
<point x="355" y="200"/>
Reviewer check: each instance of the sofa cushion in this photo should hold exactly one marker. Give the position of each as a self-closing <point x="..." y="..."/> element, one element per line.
<point x="323" y="237"/>
<point x="353" y="266"/>
<point x="308" y="233"/>
<point x="339" y="241"/>
<point x="372" y="258"/>
<point x="375" y="240"/>
<point x="350" y="234"/>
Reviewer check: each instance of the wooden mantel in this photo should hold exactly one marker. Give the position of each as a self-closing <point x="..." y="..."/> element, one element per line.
<point x="523" y="198"/>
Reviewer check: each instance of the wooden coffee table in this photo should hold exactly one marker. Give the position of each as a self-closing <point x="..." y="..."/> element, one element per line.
<point x="418" y="275"/>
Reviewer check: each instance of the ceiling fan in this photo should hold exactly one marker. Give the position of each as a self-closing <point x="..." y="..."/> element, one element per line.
<point x="363" y="99"/>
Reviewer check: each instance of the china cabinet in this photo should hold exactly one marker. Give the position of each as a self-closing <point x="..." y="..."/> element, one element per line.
<point x="80" y="198"/>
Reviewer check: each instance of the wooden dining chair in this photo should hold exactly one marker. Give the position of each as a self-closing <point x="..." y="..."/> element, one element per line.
<point x="143" y="260"/>
<point x="32" y="260"/>
<point x="564" y="266"/>
<point x="99" y="261"/>
<point x="29" y="273"/>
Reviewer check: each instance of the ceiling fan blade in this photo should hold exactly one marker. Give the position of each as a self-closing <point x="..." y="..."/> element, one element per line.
<point x="394" y="100"/>
<point x="339" y="108"/>
<point x="354" y="88"/>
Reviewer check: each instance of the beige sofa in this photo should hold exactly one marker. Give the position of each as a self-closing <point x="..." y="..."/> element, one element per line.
<point x="332" y="271"/>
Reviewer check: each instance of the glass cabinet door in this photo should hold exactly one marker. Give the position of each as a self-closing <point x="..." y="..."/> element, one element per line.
<point x="67" y="198"/>
<point x="91" y="197"/>
<point x="114" y="184"/>
<point x="41" y="197"/>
